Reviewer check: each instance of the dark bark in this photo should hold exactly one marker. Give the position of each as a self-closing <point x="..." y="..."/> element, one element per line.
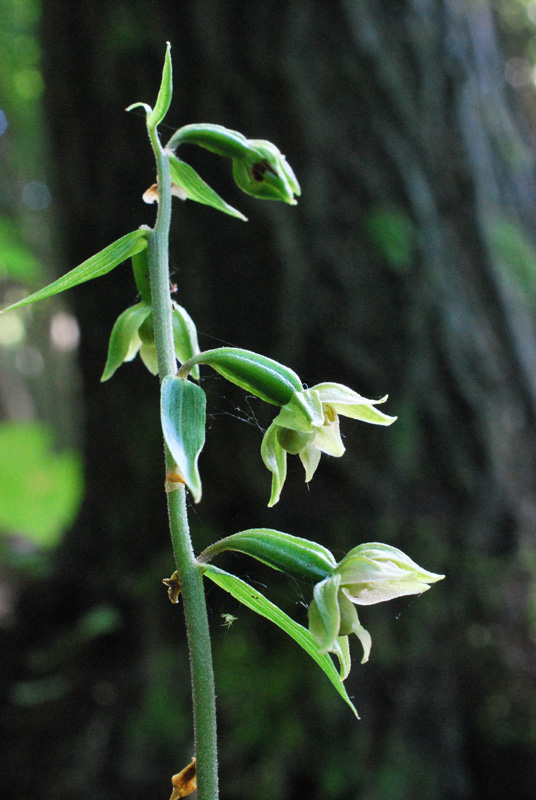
<point x="397" y="272"/>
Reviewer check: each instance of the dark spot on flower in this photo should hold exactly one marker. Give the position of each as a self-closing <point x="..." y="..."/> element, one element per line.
<point x="258" y="170"/>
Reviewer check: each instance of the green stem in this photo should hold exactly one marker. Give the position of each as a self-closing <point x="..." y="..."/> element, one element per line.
<point x="190" y="575"/>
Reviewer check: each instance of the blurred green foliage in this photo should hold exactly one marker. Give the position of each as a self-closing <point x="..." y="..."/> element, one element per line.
<point x="40" y="490"/>
<point x="515" y="254"/>
<point x="16" y="259"/>
<point x="392" y="233"/>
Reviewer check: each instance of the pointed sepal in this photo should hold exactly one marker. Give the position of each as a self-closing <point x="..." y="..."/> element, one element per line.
<point x="124" y="339"/>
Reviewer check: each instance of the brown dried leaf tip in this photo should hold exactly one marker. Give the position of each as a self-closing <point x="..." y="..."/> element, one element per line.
<point x="184" y="782"/>
<point x="173" y="481"/>
<point x="151" y="194"/>
<point x="174" y="587"/>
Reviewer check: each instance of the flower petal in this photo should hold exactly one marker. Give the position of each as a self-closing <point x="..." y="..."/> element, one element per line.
<point x="324" y="617"/>
<point x="351" y="404"/>
<point x="310" y="458"/>
<point x="338" y="393"/>
<point x="374" y="561"/>
<point x="328" y="439"/>
<point x="373" y="573"/>
<point x="341" y="649"/>
<point x="275" y="459"/>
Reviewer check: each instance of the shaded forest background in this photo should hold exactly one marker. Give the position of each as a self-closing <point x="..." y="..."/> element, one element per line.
<point x="407" y="268"/>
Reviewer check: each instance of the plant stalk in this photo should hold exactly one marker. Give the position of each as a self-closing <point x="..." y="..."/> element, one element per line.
<point x="190" y="575"/>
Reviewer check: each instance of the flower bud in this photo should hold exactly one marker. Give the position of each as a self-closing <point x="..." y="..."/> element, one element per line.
<point x="259" y="168"/>
<point x="373" y="573"/>
<point x="265" y="173"/>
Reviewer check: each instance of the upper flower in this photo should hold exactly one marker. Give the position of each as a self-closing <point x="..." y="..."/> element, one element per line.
<point x="308" y="425"/>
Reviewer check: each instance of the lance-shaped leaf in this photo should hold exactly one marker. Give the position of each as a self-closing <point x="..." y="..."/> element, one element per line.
<point x="257" y="374"/>
<point x="94" y="267"/>
<point x="196" y="189"/>
<point x="254" y="600"/>
<point x="124" y="339"/>
<point x="165" y="93"/>
<point x="300" y="558"/>
<point x="183" y="408"/>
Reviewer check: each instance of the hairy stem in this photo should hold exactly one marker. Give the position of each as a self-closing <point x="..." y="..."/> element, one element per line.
<point x="190" y="576"/>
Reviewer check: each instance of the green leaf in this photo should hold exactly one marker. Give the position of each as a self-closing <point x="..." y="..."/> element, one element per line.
<point x="184" y="336"/>
<point x="40" y="489"/>
<point x="94" y="267"/>
<point x="163" y="101"/>
<point x="292" y="555"/>
<point x="124" y="339"/>
<point x="216" y="138"/>
<point x="183" y="407"/>
<point x="254" y="600"/>
<point x="140" y="267"/>
<point x="257" y="374"/>
<point x="196" y="189"/>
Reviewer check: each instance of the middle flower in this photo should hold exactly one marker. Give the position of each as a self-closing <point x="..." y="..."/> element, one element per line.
<point x="308" y="425"/>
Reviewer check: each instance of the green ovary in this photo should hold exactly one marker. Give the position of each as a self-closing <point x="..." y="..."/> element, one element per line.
<point x="293" y="441"/>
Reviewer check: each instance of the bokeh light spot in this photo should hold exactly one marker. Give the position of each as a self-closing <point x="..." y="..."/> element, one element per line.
<point x="28" y="83"/>
<point x="36" y="196"/>
<point x="64" y="332"/>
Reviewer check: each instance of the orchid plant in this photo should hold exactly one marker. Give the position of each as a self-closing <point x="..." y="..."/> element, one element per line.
<point x="306" y="424"/>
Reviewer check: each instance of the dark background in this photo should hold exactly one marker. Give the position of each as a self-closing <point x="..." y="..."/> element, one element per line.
<point x="406" y="268"/>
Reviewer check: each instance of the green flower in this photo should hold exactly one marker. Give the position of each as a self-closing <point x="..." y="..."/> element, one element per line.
<point x="370" y="573"/>
<point x="308" y="425"/>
